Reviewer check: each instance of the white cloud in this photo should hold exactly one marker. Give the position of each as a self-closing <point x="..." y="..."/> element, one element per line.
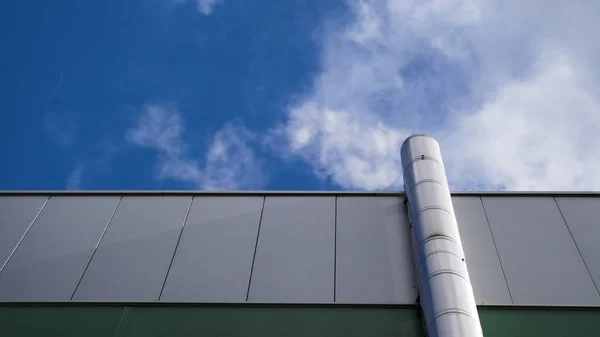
<point x="159" y="128"/>
<point x="229" y="164"/>
<point x="204" y="6"/>
<point x="355" y="152"/>
<point x="507" y="87"/>
<point x="537" y="133"/>
<point x="75" y="178"/>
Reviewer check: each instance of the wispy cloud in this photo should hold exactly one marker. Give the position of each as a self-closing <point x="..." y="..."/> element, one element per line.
<point x="56" y="87"/>
<point x="204" y="6"/>
<point x="354" y="150"/>
<point x="510" y="95"/>
<point x="59" y="126"/>
<point x="75" y="178"/>
<point x="229" y="163"/>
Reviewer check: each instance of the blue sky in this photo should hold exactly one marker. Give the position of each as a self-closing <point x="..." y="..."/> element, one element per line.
<point x="80" y="73"/>
<point x="302" y="95"/>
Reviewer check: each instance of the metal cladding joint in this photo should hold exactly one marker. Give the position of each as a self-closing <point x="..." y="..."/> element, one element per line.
<point x="445" y="290"/>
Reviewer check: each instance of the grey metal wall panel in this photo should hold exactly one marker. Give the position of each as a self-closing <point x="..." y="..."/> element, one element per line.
<point x="485" y="271"/>
<point x="374" y="254"/>
<point x="16" y="214"/>
<point x="214" y="256"/>
<point x="51" y="259"/>
<point x="540" y="260"/>
<point x="583" y="219"/>
<point x="133" y="257"/>
<point x="295" y="252"/>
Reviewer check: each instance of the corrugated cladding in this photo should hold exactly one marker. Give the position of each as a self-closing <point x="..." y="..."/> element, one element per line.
<point x="531" y="250"/>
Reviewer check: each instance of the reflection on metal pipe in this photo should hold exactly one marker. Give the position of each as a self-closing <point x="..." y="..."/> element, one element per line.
<point x="445" y="290"/>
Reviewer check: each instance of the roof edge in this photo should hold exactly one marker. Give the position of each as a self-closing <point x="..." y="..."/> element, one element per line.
<point x="280" y="193"/>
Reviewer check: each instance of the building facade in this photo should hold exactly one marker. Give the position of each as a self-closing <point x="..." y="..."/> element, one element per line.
<point x="285" y="263"/>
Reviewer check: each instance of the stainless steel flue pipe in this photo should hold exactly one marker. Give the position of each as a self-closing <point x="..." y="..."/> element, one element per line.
<point x="445" y="291"/>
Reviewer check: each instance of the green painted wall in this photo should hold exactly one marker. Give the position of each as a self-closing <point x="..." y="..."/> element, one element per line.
<point x="133" y="321"/>
<point x="59" y="321"/>
<point x="540" y="322"/>
<point x="207" y="321"/>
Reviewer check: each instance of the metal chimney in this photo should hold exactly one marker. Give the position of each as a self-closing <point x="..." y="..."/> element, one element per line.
<point x="445" y="290"/>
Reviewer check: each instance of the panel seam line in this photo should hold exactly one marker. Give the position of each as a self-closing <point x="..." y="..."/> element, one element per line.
<point x="96" y="247"/>
<point x="262" y="210"/>
<point x="23" y="236"/>
<point x="575" y="243"/>
<point x="187" y="214"/>
<point x="335" y="248"/>
<point x="496" y="248"/>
